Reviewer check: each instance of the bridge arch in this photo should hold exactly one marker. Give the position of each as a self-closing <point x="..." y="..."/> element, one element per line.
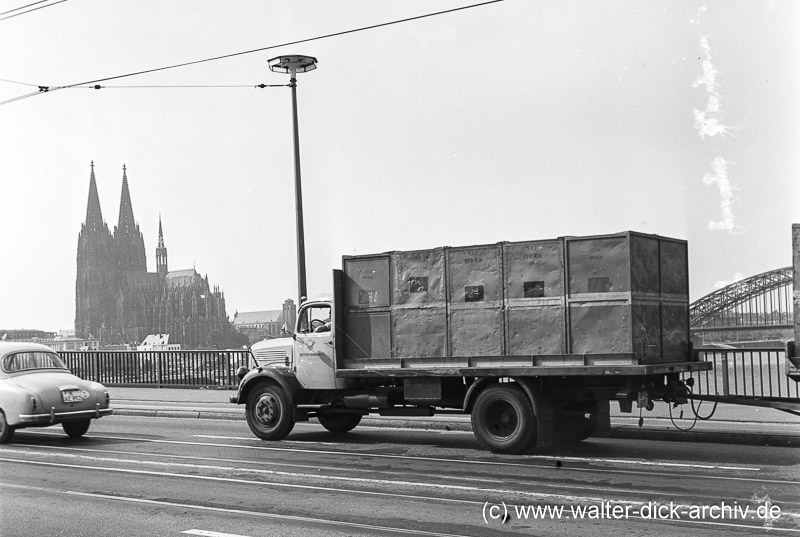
<point x="758" y="308"/>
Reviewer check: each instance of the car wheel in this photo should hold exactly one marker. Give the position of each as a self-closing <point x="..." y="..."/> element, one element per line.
<point x="77" y="428"/>
<point x="339" y="423"/>
<point x="503" y="419"/>
<point x="268" y="413"/>
<point x="6" y="430"/>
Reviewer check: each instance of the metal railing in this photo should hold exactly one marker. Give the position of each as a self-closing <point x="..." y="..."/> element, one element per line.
<point x="753" y="372"/>
<point x="757" y="372"/>
<point x="162" y="369"/>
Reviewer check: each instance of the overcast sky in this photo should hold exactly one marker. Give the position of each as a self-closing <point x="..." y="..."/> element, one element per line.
<point x="512" y="121"/>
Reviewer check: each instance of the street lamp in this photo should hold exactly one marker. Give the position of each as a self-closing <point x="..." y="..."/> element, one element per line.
<point x="292" y="65"/>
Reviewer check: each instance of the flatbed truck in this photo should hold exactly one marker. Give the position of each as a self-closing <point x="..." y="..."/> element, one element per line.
<point x="534" y="340"/>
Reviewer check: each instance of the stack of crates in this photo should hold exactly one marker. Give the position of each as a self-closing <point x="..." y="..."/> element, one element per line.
<point x="621" y="294"/>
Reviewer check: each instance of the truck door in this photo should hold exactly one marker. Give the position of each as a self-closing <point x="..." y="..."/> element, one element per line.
<point x="314" y="354"/>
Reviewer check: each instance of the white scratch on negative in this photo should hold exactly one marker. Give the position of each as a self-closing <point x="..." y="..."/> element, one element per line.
<point x="708" y="122"/>
<point x="720" y="177"/>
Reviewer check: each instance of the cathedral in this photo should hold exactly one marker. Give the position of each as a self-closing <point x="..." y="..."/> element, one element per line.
<point x="118" y="302"/>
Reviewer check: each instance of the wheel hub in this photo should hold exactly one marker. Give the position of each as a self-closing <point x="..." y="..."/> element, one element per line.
<point x="266" y="411"/>
<point x="502" y="419"/>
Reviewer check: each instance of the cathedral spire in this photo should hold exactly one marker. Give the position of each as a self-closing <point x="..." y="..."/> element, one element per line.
<point x="160" y="233"/>
<point x="94" y="216"/>
<point x="129" y="241"/>
<point x="126" y="222"/>
<point x="161" y="251"/>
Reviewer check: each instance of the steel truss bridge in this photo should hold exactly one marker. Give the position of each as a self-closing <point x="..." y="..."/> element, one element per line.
<point x="758" y="308"/>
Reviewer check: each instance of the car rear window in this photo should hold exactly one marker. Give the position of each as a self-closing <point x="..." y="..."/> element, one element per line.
<point x="25" y="361"/>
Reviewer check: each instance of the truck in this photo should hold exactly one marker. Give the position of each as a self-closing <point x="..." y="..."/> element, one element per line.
<point x="533" y="339"/>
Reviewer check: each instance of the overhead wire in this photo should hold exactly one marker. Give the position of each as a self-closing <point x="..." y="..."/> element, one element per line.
<point x="98" y="86"/>
<point x="30" y="10"/>
<point x="47" y="89"/>
<point x="18" y="82"/>
<point x="23" y="7"/>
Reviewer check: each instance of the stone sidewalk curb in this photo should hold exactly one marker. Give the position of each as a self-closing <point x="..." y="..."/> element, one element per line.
<point x="655" y="432"/>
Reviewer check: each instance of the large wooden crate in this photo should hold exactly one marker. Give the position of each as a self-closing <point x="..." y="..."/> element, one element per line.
<point x="622" y="295"/>
<point x="628" y="293"/>
<point x="534" y="297"/>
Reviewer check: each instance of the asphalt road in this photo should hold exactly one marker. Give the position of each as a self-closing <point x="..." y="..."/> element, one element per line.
<point x="135" y="475"/>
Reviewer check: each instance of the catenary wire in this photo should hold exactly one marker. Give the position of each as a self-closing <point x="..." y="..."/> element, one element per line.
<point x="47" y="89"/>
<point x="23" y="7"/>
<point x="18" y="82"/>
<point x="29" y="11"/>
<point x="98" y="86"/>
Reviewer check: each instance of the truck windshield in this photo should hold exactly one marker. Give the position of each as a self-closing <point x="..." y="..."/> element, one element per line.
<point x="314" y="319"/>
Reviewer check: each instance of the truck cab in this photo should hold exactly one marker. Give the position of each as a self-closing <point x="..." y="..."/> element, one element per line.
<point x="308" y="350"/>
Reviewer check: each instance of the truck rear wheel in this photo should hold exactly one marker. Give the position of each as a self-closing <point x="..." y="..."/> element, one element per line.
<point x="340" y="422"/>
<point x="268" y="413"/>
<point x="503" y="419"/>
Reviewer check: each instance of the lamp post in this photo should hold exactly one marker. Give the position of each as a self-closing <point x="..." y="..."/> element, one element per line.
<point x="293" y="64"/>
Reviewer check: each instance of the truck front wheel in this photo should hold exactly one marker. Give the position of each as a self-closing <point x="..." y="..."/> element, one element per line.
<point x="268" y="413"/>
<point x="503" y="419"/>
<point x="339" y="423"/>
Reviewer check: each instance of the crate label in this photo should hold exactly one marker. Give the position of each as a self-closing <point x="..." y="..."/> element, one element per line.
<point x="473" y="293"/>
<point x="533" y="289"/>
<point x="417" y="284"/>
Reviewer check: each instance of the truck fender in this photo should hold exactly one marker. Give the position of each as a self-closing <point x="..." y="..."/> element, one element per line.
<point x="270" y="375"/>
<point x="545" y="435"/>
<point x="474" y="390"/>
<point x="526" y="384"/>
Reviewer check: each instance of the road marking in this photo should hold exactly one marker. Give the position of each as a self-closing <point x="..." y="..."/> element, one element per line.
<point x="261" y="514"/>
<point x="538" y="496"/>
<point x="416" y="457"/>
<point x="535" y="457"/>
<point x="206" y="533"/>
<point x="368" y="470"/>
<point x="440" y="485"/>
<point x="296" y="518"/>
<point x="522" y="496"/>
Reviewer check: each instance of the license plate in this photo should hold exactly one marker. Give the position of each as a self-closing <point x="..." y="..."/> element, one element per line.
<point x="73" y="396"/>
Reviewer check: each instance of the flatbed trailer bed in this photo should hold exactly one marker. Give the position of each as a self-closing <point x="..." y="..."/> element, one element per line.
<point x="512" y="366"/>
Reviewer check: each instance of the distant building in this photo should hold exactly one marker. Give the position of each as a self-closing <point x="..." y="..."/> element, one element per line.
<point x="26" y="335"/>
<point x="63" y="341"/>
<point x="258" y="325"/>
<point x="158" y="342"/>
<point x="117" y="301"/>
<point x="71" y="344"/>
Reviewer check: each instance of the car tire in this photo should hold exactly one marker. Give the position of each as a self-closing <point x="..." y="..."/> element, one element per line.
<point x="268" y="412"/>
<point x="6" y="430"/>
<point x="339" y="422"/>
<point x="76" y="428"/>
<point x="503" y="419"/>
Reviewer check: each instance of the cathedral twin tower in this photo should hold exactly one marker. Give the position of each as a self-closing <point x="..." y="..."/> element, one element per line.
<point x="118" y="302"/>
